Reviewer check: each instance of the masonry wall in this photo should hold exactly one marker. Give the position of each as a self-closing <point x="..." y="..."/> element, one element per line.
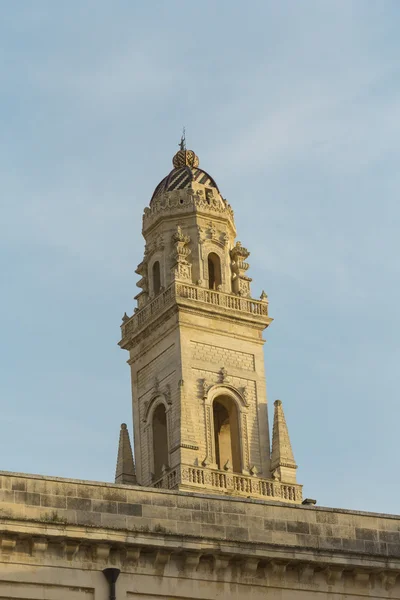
<point x="155" y="371"/>
<point x="56" y="536"/>
<point x="209" y="343"/>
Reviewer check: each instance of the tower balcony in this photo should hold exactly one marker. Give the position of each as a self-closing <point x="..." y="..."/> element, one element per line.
<point x="195" y="297"/>
<point x="187" y="477"/>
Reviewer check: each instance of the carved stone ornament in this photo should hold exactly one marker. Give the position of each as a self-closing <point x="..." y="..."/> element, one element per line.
<point x="228" y="466"/>
<point x="245" y="394"/>
<point x="179" y="236"/>
<point x="239" y="253"/>
<point x="223" y="374"/>
<point x="201" y="234"/>
<point x="167" y="394"/>
<point x="212" y="231"/>
<point x="182" y="269"/>
<point x="240" y="281"/>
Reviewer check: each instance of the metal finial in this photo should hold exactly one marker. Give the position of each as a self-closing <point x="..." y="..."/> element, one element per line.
<point x="182" y="143"/>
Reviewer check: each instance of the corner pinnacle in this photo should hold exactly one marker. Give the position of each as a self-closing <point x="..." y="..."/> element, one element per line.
<point x="282" y="459"/>
<point x="125" y="471"/>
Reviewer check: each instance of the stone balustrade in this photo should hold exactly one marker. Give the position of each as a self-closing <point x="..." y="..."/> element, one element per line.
<point x="227" y="482"/>
<point x="182" y="292"/>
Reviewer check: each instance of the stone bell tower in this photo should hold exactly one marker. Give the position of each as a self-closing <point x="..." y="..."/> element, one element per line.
<point x="196" y="351"/>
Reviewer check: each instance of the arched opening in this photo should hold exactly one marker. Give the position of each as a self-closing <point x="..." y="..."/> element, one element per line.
<point x="214" y="271"/>
<point x="156" y="277"/>
<point x="160" y="440"/>
<point x="226" y="434"/>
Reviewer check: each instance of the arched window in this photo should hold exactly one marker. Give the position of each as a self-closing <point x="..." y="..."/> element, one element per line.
<point x="160" y="440"/>
<point x="214" y="271"/>
<point x="156" y="277"/>
<point x="226" y="434"/>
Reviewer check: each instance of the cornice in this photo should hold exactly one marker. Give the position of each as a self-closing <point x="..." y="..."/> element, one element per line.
<point x="55" y="544"/>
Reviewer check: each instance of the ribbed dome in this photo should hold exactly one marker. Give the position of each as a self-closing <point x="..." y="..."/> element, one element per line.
<point x="185" y="172"/>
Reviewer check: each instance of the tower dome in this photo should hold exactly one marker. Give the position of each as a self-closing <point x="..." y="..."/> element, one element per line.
<point x="185" y="172"/>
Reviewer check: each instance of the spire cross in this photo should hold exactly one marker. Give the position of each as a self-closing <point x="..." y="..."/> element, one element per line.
<point x="182" y="143"/>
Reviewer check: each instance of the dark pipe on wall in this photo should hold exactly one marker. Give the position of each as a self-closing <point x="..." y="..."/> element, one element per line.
<point x="111" y="575"/>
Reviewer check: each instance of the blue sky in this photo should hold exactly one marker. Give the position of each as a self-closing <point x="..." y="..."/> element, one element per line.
<point x="293" y="107"/>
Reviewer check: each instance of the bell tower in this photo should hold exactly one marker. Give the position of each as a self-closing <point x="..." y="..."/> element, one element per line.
<point x="196" y="351"/>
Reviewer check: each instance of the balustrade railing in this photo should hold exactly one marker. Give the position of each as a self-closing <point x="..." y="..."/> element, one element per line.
<point x="191" y="292"/>
<point x="228" y="482"/>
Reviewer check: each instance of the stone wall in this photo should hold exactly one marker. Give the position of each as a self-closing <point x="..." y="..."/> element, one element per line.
<point x="57" y="535"/>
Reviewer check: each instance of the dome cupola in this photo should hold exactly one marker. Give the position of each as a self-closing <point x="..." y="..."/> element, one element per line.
<point x="185" y="173"/>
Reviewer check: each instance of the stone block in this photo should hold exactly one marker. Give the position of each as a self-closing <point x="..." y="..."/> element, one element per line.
<point x="179" y="514"/>
<point x="260" y="535"/>
<point x="88" y="518"/>
<point x="159" y="512"/>
<point x="83" y="504"/>
<point x="89" y="491"/>
<point x="366" y="534"/>
<point x="114" y="494"/>
<point x="7" y="496"/>
<point x="297" y="527"/>
<point x="275" y="525"/>
<point x="353" y="545"/>
<point x="139" y="524"/>
<point x="240" y="534"/>
<point x="104" y="506"/>
<point x="251" y="522"/>
<point x="163" y="526"/>
<point x="6" y="482"/>
<point x="190" y="529"/>
<point x="53" y="501"/>
<point x="234" y="507"/>
<point x="50" y="487"/>
<point x="231" y="519"/>
<point x="113" y="521"/>
<point x="307" y="541"/>
<point x="200" y="516"/>
<point x="28" y="498"/>
<point x="330" y="542"/>
<point x="375" y="547"/>
<point x="284" y="538"/>
<point x="136" y="496"/>
<point x="18" y="485"/>
<point x="164" y="500"/>
<point x="393" y="550"/>
<point x="191" y="503"/>
<point x="393" y="537"/>
<point x="212" y="531"/>
<point x="316" y="529"/>
<point x="134" y="510"/>
<point x="326" y="517"/>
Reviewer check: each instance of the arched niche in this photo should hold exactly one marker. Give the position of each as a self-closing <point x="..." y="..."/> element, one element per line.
<point x="214" y="271"/>
<point x="156" y="273"/>
<point x="157" y="427"/>
<point x="156" y="277"/>
<point x="226" y="434"/>
<point x="225" y="411"/>
<point x="160" y="440"/>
